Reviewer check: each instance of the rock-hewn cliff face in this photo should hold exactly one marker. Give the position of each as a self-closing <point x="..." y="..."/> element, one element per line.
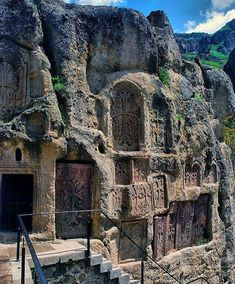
<point x="111" y="135"/>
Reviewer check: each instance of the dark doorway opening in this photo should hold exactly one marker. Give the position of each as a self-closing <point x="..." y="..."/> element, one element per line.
<point x="16" y="198"/>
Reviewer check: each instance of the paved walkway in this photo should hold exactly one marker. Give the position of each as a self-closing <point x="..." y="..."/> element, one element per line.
<point x="5" y="267"/>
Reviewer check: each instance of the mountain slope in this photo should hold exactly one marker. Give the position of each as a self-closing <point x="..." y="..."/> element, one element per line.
<point x="212" y="49"/>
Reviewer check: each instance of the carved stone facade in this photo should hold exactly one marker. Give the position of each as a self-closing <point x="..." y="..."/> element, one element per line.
<point x="192" y="177"/>
<point x="186" y="224"/>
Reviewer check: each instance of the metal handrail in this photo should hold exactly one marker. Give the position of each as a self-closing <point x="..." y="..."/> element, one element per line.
<point x="37" y="264"/>
<point x="35" y="259"/>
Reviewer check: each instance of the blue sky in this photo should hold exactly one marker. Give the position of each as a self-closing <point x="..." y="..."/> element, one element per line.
<point x="185" y="15"/>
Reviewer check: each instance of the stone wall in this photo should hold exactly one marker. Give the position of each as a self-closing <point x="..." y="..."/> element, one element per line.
<point x="114" y="135"/>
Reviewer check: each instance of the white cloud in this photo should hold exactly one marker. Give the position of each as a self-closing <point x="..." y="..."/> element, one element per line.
<point x="214" y="22"/>
<point x="190" y="25"/>
<point x="97" y="2"/>
<point x="222" y="4"/>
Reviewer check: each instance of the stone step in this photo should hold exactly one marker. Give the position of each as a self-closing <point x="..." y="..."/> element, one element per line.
<point x="96" y="259"/>
<point x="106" y="266"/>
<point x="115" y="272"/>
<point x="124" y="278"/>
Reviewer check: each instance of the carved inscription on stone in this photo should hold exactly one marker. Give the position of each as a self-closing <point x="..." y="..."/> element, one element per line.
<point x="192" y="176"/>
<point x="212" y="176"/>
<point x="159" y="188"/>
<point x="125" y="113"/>
<point x="118" y="202"/>
<point x="72" y="193"/>
<point x="8" y="88"/>
<point x="171" y="235"/>
<point x="186" y="211"/>
<point x="159" y="236"/>
<point x="140" y="199"/>
<point x="200" y="218"/>
<point x="122" y="172"/>
<point x="139" y="170"/>
<point x="137" y="231"/>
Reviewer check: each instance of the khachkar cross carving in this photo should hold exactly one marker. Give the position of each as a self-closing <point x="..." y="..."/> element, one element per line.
<point x="8" y="88"/>
<point x="192" y="176"/>
<point x="125" y="114"/>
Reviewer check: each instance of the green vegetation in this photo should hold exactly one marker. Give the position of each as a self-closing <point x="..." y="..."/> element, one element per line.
<point x="202" y="242"/>
<point x="229" y="132"/>
<point x="57" y="84"/>
<point x="199" y="97"/>
<point x="225" y="28"/>
<point x="213" y="64"/>
<point x="217" y="54"/>
<point x="164" y="76"/>
<point x="180" y="117"/>
<point x="189" y="56"/>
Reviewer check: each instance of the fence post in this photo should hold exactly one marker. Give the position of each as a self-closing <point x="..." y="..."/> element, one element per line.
<point x="142" y="271"/>
<point x="89" y="225"/>
<point x="23" y="263"/>
<point x="18" y="245"/>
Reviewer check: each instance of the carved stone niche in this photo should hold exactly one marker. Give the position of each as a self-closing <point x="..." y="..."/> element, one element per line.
<point x="131" y="171"/>
<point x="160" y="226"/>
<point x="192" y="176"/>
<point x="171" y="229"/>
<point x="13" y="86"/>
<point x="185" y="221"/>
<point x="140" y="200"/>
<point x="211" y="176"/>
<point x="118" y="202"/>
<point x="200" y="219"/>
<point x="123" y="171"/>
<point x="137" y="231"/>
<point x="126" y="114"/>
<point x="159" y="186"/>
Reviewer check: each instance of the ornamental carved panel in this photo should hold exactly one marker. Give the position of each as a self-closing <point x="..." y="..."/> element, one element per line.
<point x="140" y="168"/>
<point x="72" y="193"/>
<point x="186" y="211"/>
<point x="140" y="199"/>
<point x="137" y="231"/>
<point x="192" y="177"/>
<point x="171" y="235"/>
<point x="200" y="219"/>
<point x="160" y="194"/>
<point x="159" y="236"/>
<point x="118" y="202"/>
<point x="212" y="176"/>
<point x="123" y="172"/>
<point x="13" y="91"/>
<point x="125" y="113"/>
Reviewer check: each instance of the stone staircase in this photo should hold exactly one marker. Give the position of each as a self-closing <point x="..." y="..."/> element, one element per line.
<point x="70" y="251"/>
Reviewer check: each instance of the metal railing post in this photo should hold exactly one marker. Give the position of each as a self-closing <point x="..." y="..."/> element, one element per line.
<point x="89" y="224"/>
<point x="23" y="263"/>
<point x="18" y="245"/>
<point x="142" y="271"/>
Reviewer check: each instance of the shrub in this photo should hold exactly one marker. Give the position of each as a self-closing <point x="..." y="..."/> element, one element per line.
<point x="199" y="97"/>
<point x="179" y="117"/>
<point x="57" y="84"/>
<point x="229" y="132"/>
<point x="164" y="76"/>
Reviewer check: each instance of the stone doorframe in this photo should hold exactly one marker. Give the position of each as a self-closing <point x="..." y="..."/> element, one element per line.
<point x="22" y="171"/>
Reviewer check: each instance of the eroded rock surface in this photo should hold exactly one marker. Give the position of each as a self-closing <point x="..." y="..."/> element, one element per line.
<point x="112" y="133"/>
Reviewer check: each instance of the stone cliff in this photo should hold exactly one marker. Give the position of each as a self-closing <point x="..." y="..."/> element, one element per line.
<point x="106" y="114"/>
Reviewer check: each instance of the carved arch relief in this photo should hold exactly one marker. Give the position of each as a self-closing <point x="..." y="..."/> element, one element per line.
<point x="192" y="175"/>
<point x="126" y="116"/>
<point x="13" y="84"/>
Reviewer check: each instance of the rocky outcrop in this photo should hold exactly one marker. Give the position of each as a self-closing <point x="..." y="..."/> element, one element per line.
<point x="98" y="125"/>
<point x="229" y="67"/>
<point x="169" y="54"/>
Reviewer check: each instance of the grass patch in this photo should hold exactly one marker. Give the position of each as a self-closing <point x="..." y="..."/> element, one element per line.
<point x="164" y="76"/>
<point x="189" y="56"/>
<point x="179" y="117"/>
<point x="213" y="64"/>
<point x="199" y="97"/>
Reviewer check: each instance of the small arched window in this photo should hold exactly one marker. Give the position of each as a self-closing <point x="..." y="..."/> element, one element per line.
<point x="18" y="155"/>
<point x="126" y="114"/>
